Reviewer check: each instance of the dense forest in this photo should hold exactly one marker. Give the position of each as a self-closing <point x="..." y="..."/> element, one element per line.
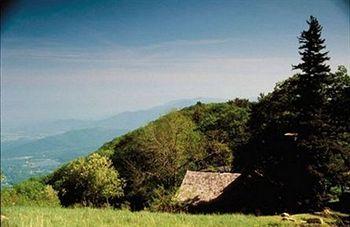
<point x="297" y="138"/>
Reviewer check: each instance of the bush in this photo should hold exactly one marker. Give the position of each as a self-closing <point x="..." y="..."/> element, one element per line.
<point x="30" y="192"/>
<point x="163" y="201"/>
<point x="90" y="181"/>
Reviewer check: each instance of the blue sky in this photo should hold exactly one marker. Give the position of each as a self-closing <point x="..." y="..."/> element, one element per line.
<point x="90" y="59"/>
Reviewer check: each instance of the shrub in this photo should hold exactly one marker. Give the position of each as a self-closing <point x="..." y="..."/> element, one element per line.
<point x="90" y="181"/>
<point x="30" y="192"/>
<point x="163" y="201"/>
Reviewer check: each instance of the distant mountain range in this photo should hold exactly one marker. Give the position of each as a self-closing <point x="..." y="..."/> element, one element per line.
<point x="38" y="149"/>
<point x="61" y="147"/>
<point x="125" y="120"/>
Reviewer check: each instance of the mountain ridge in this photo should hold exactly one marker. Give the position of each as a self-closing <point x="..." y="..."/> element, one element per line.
<point x="80" y="138"/>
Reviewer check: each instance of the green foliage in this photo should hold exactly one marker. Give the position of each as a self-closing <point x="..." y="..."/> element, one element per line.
<point x="201" y="137"/>
<point x="224" y="128"/>
<point x="339" y="143"/>
<point x="89" y="181"/>
<point x="164" y="201"/>
<point x="304" y="166"/>
<point x="299" y="140"/>
<point x="32" y="192"/>
<point x="156" y="157"/>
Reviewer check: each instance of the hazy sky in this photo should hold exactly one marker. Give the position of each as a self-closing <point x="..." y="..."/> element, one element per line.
<point x="88" y="59"/>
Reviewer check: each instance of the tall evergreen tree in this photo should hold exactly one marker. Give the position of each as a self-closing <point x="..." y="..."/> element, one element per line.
<point x="313" y="79"/>
<point x="322" y="122"/>
<point x="296" y="140"/>
<point x="311" y="46"/>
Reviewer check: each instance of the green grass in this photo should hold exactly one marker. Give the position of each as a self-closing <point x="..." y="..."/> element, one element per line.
<point x="62" y="217"/>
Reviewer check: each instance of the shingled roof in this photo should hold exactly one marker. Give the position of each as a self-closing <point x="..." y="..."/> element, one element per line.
<point x="199" y="187"/>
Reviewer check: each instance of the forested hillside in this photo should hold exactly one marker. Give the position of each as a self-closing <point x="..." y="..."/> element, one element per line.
<point x="152" y="160"/>
<point x="39" y="148"/>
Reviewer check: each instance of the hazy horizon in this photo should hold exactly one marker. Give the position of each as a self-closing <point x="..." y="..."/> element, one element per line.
<point x="21" y="125"/>
<point x="90" y="59"/>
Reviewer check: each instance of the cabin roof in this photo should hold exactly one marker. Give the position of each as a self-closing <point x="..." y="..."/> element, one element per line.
<point x="203" y="186"/>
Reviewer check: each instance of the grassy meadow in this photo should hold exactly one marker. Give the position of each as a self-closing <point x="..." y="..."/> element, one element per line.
<point x="42" y="216"/>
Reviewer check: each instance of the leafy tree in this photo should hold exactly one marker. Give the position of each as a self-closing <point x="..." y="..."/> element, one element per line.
<point x="157" y="155"/>
<point x="339" y="97"/>
<point x="90" y="181"/>
<point x="339" y="141"/>
<point x="224" y="128"/>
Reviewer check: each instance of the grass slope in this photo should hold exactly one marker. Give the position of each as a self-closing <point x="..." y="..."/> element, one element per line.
<point x="41" y="216"/>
